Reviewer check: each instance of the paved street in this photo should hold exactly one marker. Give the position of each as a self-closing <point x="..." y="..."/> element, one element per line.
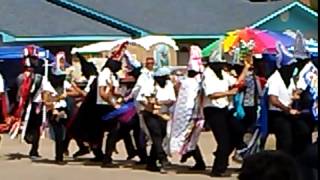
<point x="15" y="165"/>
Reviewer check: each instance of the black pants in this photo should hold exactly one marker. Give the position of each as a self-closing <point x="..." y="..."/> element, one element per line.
<point x="196" y="154"/>
<point x="59" y="129"/>
<point x="124" y="133"/>
<point x="67" y="140"/>
<point x="33" y="130"/>
<point x="240" y="127"/>
<point x="157" y="128"/>
<point x="59" y="133"/>
<point x="97" y="129"/>
<point x="292" y="133"/>
<point x="218" y="120"/>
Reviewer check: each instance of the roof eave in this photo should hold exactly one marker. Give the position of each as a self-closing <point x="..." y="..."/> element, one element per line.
<point x="100" y="17"/>
<point x="11" y="39"/>
<point x="282" y="10"/>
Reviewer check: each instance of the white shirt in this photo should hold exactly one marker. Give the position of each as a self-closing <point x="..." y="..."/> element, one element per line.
<point x="212" y="84"/>
<point x="1" y="84"/>
<point x="278" y="88"/>
<point x="105" y="78"/>
<point x="162" y="94"/>
<point x="145" y="81"/>
<point x="45" y="86"/>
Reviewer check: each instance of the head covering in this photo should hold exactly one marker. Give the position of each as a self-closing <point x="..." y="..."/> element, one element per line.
<point x="216" y="55"/>
<point x="56" y="70"/>
<point x="118" y="51"/>
<point x="195" y="60"/>
<point x="283" y="57"/>
<point x="300" y="50"/>
<point x="132" y="61"/>
<point x="31" y="51"/>
<point x="162" y="71"/>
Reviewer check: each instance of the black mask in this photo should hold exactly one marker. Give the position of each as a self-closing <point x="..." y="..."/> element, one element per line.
<point x="161" y="80"/>
<point x="192" y="73"/>
<point x="217" y="69"/>
<point x="286" y="73"/>
<point x="113" y="65"/>
<point x="57" y="82"/>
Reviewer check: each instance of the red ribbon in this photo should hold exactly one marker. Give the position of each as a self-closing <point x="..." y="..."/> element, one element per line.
<point x="24" y="93"/>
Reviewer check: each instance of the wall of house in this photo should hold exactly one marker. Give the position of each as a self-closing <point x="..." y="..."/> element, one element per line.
<point x="294" y="19"/>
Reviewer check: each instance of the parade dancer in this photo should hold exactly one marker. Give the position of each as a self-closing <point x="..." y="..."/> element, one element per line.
<point x="29" y="105"/>
<point x="156" y="102"/>
<point x="55" y="100"/>
<point x="284" y="119"/>
<point x="187" y="123"/>
<point x="134" y="69"/>
<point x="101" y="100"/>
<point x="218" y="86"/>
<point x="90" y="72"/>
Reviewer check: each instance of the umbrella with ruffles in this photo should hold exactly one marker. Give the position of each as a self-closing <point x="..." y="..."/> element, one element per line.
<point x="265" y="41"/>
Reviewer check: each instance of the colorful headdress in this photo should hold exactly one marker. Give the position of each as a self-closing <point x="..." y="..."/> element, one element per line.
<point x="246" y="48"/>
<point x="118" y="52"/>
<point x="28" y="52"/>
<point x="300" y="50"/>
<point x="195" y="59"/>
<point x="283" y="57"/>
<point x="56" y="65"/>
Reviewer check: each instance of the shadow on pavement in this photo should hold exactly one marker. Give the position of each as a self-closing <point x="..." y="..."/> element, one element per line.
<point x="16" y="156"/>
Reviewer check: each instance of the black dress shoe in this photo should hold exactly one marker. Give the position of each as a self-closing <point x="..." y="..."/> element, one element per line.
<point x="109" y="165"/>
<point x="219" y="174"/>
<point x="96" y="159"/>
<point x="61" y="163"/>
<point x="141" y="162"/>
<point x="184" y="158"/>
<point x="131" y="156"/>
<point x="198" y="167"/>
<point x="153" y="168"/>
<point x="81" y="152"/>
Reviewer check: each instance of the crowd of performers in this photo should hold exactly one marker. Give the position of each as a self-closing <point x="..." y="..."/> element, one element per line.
<point x="169" y="111"/>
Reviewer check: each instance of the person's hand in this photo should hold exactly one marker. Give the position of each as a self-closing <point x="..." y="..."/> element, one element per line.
<point x="294" y="112"/>
<point x="127" y="98"/>
<point x="248" y="62"/>
<point x="232" y="92"/>
<point x="117" y="106"/>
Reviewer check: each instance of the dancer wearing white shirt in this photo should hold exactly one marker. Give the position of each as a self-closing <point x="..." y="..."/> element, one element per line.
<point x="284" y="120"/>
<point x="157" y="102"/>
<point x="218" y="88"/>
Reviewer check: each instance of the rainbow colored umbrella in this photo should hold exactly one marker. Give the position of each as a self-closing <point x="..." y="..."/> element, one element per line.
<point x="265" y="41"/>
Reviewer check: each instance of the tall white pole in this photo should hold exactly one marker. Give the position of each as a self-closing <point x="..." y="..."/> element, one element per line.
<point x="44" y="108"/>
